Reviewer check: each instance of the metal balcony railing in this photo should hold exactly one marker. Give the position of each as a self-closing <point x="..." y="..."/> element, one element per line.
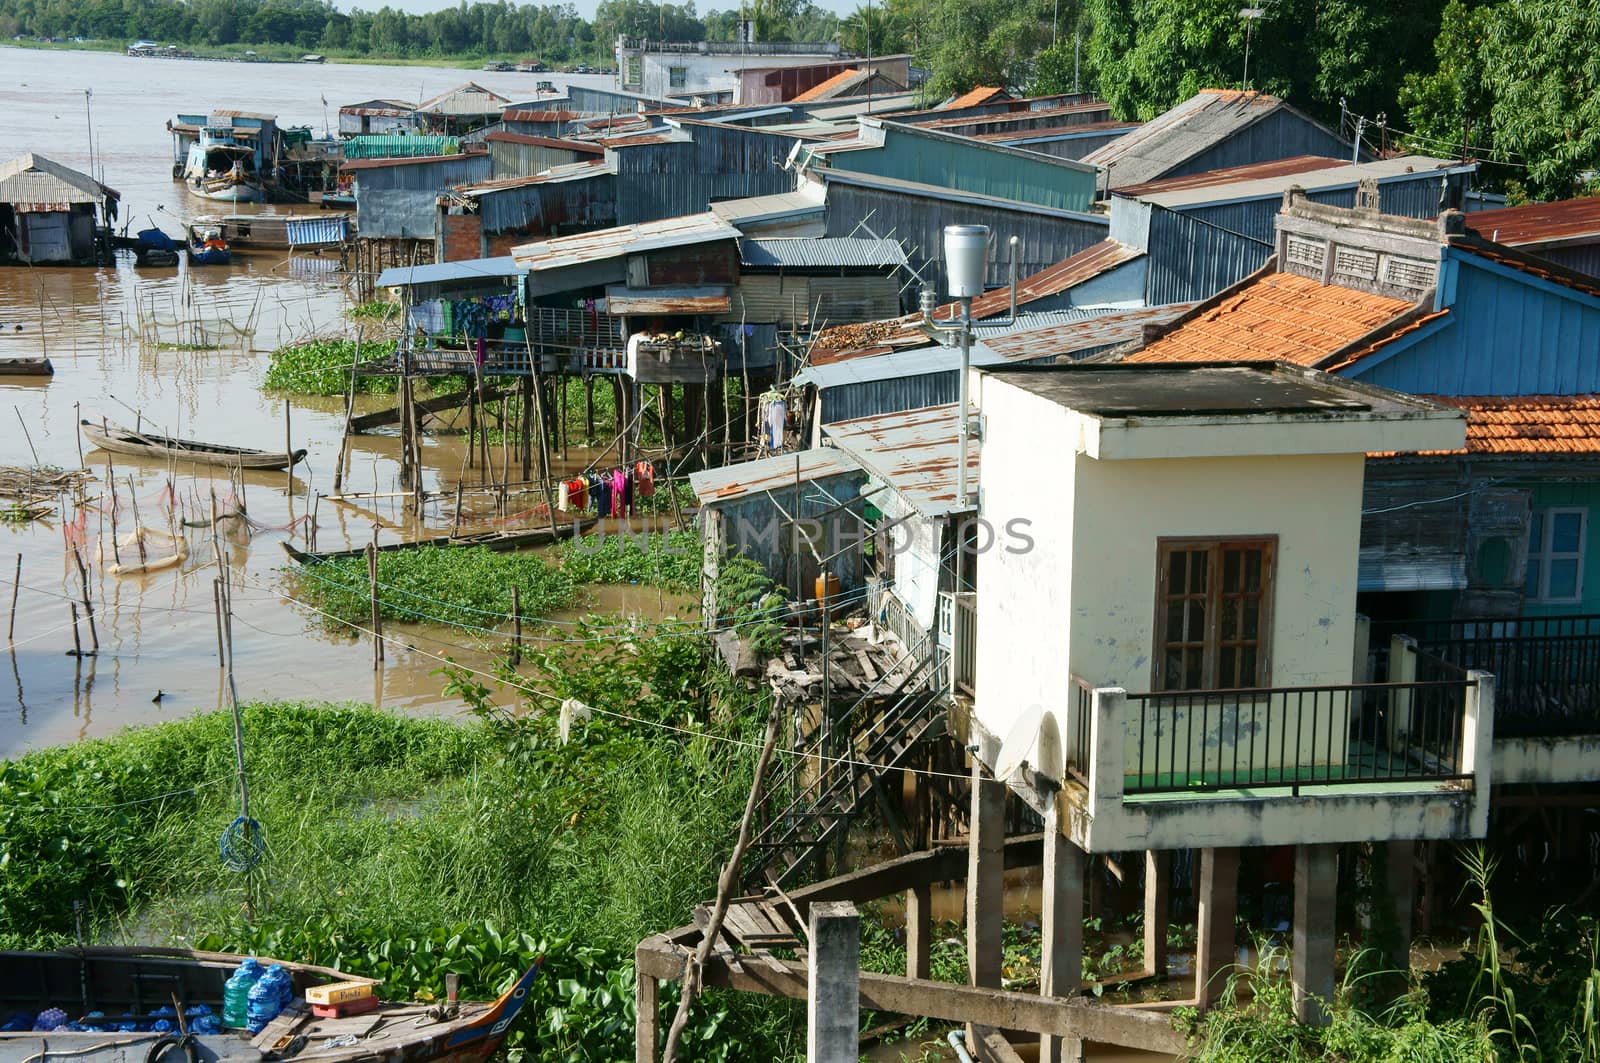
<point x="1291" y="738"/>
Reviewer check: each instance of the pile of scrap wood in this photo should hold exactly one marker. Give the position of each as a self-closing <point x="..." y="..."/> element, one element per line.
<point x="858" y="662"/>
<point x="33" y="490"/>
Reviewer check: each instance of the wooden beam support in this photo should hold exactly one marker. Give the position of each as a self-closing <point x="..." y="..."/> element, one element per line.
<point x="1002" y="1009"/>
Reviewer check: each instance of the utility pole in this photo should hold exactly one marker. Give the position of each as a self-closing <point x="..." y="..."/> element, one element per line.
<point x="88" y="119"/>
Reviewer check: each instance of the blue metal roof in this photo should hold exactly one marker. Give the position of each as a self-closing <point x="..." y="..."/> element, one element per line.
<point x="443" y="272"/>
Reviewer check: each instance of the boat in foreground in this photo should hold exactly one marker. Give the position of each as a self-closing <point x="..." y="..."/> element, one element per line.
<point x="500" y="542"/>
<point x="110" y="997"/>
<point x="26" y="365"/>
<point x="143" y="444"/>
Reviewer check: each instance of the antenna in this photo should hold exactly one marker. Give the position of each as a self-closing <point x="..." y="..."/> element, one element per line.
<point x="1250" y="15"/>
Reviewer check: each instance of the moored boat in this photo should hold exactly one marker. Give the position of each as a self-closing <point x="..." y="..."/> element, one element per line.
<point x="27" y="365"/>
<point x="102" y="1005"/>
<point x="120" y="440"/>
<point x="500" y="542"/>
<point x="207" y="247"/>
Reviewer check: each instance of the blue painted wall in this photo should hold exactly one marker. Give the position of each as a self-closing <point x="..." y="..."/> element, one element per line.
<point x="1508" y="333"/>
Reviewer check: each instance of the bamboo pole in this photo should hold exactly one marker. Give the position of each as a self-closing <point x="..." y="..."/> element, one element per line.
<point x="349" y="414"/>
<point x="288" y="453"/>
<point x="516" y="626"/>
<point x="16" y="585"/>
<point x="77" y="645"/>
<point x="377" y="618"/>
<point x="88" y="610"/>
<point x="727" y="885"/>
<point x="138" y="521"/>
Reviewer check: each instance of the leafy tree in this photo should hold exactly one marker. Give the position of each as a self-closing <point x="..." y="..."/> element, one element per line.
<point x="984" y="42"/>
<point x="1451" y="105"/>
<point x="871" y="31"/>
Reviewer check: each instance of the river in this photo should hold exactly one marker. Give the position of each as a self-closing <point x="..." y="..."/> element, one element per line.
<point x="158" y="656"/>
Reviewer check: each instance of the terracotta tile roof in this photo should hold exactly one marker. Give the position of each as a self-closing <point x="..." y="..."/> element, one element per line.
<point x="979" y="94"/>
<point x="821" y="90"/>
<point x="1539" y="223"/>
<point x="874" y="337"/>
<point x="1280" y="317"/>
<point x="1356" y="354"/>
<point x="1529" y="424"/>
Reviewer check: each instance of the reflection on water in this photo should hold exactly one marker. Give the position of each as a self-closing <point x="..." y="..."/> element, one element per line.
<point x="185" y="351"/>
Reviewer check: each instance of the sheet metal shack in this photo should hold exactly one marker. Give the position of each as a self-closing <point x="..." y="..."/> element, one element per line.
<point x="749" y="509"/>
<point x="398" y="197"/>
<point x="50" y="213"/>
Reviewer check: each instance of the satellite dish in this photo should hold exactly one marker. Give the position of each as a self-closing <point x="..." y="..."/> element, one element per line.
<point x="1049" y="759"/>
<point x="1018" y="743"/>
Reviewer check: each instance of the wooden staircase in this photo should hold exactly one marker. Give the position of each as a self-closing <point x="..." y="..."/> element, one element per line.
<point x="840" y="772"/>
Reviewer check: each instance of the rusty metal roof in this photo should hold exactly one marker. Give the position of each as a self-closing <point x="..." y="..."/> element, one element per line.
<point x="631" y="302"/>
<point x="853" y="341"/>
<point x="417" y="160"/>
<point x="981" y="94"/>
<point x="572" y="171"/>
<point x="513" y="114"/>
<point x="1542" y="224"/>
<point x="1233" y="174"/>
<point x="500" y="136"/>
<point x="1163" y="143"/>
<point x="604" y="244"/>
<point x="1088" y="107"/>
<point x="914" y="452"/>
<point x="1044" y="132"/>
<point x="733" y="482"/>
<point x="1103" y="330"/>
<point x="468" y="99"/>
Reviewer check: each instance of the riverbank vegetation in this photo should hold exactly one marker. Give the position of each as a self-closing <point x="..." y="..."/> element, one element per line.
<point x="322" y="367"/>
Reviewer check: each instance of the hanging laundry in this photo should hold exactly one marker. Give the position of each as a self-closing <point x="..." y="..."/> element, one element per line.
<point x="619" y="484"/>
<point x="564" y="496"/>
<point x="773" y="424"/>
<point x="644" y="476"/>
<point x="600" y="486"/>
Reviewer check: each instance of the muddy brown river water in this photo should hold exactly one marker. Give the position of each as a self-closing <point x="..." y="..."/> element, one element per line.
<point x="103" y="330"/>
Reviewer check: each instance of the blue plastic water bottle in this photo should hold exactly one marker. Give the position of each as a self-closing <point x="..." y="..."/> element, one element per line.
<point x="236" y="993"/>
<point x="268" y="997"/>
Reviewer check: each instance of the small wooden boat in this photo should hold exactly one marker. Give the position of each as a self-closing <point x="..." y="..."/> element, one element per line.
<point x="27" y="365"/>
<point x="121" y="440"/>
<point x="500" y="542"/>
<point x="155" y="248"/>
<point x="126" y="985"/>
<point x="208" y="248"/>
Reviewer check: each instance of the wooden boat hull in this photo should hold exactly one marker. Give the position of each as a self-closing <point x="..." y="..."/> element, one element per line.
<point x="228" y="191"/>
<point x="39" y="366"/>
<point x="500" y="543"/>
<point x="120" y="440"/>
<point x="109" y="980"/>
<point x="209" y="256"/>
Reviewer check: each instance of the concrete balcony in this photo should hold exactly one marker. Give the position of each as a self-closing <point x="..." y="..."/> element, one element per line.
<point x="1277" y="766"/>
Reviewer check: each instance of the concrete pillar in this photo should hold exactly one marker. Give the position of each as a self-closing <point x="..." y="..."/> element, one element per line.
<point x="1401" y="873"/>
<point x="985" y="877"/>
<point x="1219" y="901"/>
<point x="646" y="1019"/>
<point x="1157" y="905"/>
<point x="1061" y="929"/>
<point x="833" y="984"/>
<point x="1316" y="871"/>
<point x="919" y="931"/>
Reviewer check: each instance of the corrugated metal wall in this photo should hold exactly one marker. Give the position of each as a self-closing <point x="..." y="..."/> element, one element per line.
<point x="1075" y="147"/>
<point x="1582" y="259"/>
<point x="786" y="299"/>
<point x="758" y="349"/>
<point x="1416" y="197"/>
<point x="402" y="200"/>
<point x="887" y="396"/>
<point x="754" y="527"/>
<point x="1278" y="136"/>
<point x="657" y="181"/>
<point x="920" y="222"/>
<point x="1190" y="259"/>
<point x="553" y="207"/>
<point x="972" y="166"/>
<point x="522" y="160"/>
<point x="1555" y="334"/>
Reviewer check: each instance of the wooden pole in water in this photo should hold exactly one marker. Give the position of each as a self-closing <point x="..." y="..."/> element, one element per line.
<point x="349" y="413"/>
<point x="288" y="451"/>
<point x="88" y="610"/>
<point x="16" y="585"/>
<point x="588" y="409"/>
<point x="138" y="521"/>
<point x="525" y="424"/>
<point x="216" y="600"/>
<point x="76" y="419"/>
<point x="455" y="529"/>
<point x="377" y="619"/>
<point x="77" y="645"/>
<point x="516" y="626"/>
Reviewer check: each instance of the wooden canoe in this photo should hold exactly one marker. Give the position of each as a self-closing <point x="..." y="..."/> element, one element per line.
<point x="36" y="365"/>
<point x="117" y="983"/>
<point x="500" y="542"/>
<point x="121" y="440"/>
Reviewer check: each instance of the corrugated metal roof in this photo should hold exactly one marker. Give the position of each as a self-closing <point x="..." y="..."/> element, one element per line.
<point x="443" y="272"/>
<point x="32" y="178"/>
<point x="1088" y="107"/>
<point x="625" y="302"/>
<point x="1084" y="129"/>
<point x="801" y="252"/>
<point x="421" y="160"/>
<point x="850" y="341"/>
<point x="825" y="90"/>
<point x="732" y="482"/>
<point x="574" y="171"/>
<point x="973" y="97"/>
<point x="951" y="195"/>
<point x="398" y="146"/>
<point x="1193" y="126"/>
<point x="500" y="136"/>
<point x="1088" y="333"/>
<point x="754" y="209"/>
<point x="468" y="99"/>
<point x="513" y="114"/>
<point x="1573" y="220"/>
<point x="1336" y="175"/>
<point x="623" y="240"/>
<point x="1234" y="174"/>
<point x="914" y="452"/>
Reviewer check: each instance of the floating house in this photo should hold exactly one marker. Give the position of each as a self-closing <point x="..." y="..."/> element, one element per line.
<point x="461" y="110"/>
<point x="377" y="117"/>
<point x="51" y="214"/>
<point x="227" y="154"/>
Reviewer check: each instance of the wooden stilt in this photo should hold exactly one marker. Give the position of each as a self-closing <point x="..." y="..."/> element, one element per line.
<point x="588" y="410"/>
